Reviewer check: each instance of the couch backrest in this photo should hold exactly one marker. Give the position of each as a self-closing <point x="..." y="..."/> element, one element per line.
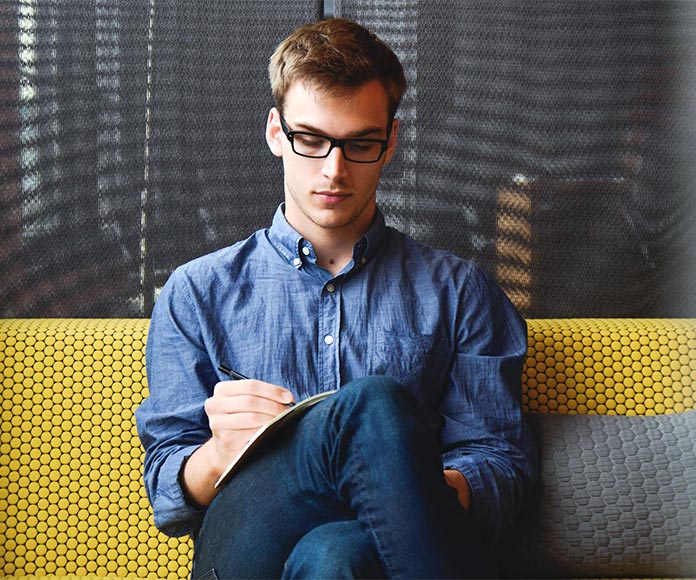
<point x="70" y="483"/>
<point x="610" y="366"/>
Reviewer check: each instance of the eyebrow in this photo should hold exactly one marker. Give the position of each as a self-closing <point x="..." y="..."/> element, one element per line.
<point x="367" y="132"/>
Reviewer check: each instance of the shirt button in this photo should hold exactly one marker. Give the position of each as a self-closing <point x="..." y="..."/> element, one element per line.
<point x="297" y="262"/>
<point x="330" y="288"/>
<point x="306" y="251"/>
<point x="328" y="339"/>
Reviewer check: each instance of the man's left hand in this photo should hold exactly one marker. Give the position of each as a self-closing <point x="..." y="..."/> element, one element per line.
<point x="458" y="481"/>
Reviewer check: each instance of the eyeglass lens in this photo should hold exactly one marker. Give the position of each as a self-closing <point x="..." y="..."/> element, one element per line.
<point x="362" y="151"/>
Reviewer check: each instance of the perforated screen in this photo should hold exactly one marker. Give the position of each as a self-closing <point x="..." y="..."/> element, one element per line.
<point x="551" y="141"/>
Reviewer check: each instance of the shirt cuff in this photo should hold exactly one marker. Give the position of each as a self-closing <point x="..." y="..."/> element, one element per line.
<point x="484" y="515"/>
<point x="174" y="515"/>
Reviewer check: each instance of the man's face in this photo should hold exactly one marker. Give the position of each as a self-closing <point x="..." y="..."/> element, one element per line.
<point x="331" y="194"/>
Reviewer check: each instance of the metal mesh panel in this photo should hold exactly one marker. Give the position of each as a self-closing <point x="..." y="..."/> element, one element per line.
<point x="72" y="88"/>
<point x="213" y="179"/>
<point x="552" y="142"/>
<point x="132" y="140"/>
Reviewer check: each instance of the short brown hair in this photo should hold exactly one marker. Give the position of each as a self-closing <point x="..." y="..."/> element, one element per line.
<point x="338" y="56"/>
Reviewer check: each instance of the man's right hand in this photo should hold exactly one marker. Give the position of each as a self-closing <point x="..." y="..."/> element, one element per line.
<point x="235" y="412"/>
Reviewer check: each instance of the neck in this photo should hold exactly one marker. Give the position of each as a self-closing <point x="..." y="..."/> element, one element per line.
<point x="333" y="255"/>
<point x="333" y="246"/>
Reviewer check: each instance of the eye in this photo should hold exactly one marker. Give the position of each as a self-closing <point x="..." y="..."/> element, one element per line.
<point x="310" y="141"/>
<point x="362" y="147"/>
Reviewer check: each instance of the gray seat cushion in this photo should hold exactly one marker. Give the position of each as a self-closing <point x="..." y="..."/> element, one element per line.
<point x="616" y="497"/>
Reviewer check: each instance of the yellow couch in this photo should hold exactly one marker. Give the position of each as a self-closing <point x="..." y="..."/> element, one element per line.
<point x="71" y="496"/>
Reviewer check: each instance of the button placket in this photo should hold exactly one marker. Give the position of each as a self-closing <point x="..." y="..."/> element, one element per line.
<point x="329" y="334"/>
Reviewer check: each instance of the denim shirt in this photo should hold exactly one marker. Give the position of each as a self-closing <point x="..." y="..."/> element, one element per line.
<point x="435" y="322"/>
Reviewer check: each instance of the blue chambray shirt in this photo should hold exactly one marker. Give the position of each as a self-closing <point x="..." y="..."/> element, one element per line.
<point x="436" y="323"/>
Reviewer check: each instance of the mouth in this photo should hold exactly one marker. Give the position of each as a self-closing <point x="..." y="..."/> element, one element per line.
<point x="332" y="197"/>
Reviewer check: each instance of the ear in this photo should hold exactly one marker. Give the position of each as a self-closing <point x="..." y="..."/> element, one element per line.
<point x="274" y="133"/>
<point x="391" y="146"/>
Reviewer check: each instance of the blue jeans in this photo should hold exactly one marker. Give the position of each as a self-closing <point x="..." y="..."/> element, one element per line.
<point x="354" y="489"/>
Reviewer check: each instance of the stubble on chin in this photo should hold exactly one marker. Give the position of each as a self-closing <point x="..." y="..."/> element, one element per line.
<point x="334" y="218"/>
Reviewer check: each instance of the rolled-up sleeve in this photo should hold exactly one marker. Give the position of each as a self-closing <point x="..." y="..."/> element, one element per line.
<point x="484" y="432"/>
<point x="171" y="422"/>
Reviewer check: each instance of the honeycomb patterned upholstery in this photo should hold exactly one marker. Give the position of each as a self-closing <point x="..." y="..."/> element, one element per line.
<point x="610" y="366"/>
<point x="71" y="495"/>
<point x="611" y="403"/>
<point x="617" y="498"/>
<point x="70" y="458"/>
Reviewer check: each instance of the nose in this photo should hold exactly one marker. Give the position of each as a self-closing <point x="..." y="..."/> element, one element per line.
<point x="335" y="165"/>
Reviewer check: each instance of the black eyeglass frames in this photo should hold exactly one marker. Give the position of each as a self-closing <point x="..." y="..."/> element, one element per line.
<point x="317" y="146"/>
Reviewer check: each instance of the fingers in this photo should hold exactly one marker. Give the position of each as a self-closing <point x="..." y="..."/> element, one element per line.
<point x="237" y="410"/>
<point x="253" y="388"/>
<point x="248" y="404"/>
<point x="220" y="421"/>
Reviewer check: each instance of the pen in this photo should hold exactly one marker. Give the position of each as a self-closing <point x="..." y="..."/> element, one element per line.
<point x="240" y="377"/>
<point x="234" y="374"/>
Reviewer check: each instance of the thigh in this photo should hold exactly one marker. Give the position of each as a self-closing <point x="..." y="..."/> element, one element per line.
<point x="267" y="506"/>
<point x="364" y="454"/>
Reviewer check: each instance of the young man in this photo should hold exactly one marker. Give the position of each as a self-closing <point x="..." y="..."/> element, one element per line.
<point x="420" y="459"/>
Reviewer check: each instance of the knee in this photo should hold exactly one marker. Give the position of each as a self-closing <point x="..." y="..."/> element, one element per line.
<point x="379" y="394"/>
<point x="378" y="414"/>
<point x="334" y="550"/>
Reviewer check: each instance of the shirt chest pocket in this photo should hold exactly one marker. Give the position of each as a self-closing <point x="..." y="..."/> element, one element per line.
<point x="415" y="360"/>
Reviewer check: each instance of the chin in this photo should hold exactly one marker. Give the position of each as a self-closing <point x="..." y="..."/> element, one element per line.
<point x="332" y="223"/>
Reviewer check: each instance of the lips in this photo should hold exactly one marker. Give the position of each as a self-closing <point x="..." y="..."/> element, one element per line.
<point x="332" y="196"/>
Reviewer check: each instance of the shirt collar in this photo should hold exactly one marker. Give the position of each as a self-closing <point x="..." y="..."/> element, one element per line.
<point x="296" y="250"/>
